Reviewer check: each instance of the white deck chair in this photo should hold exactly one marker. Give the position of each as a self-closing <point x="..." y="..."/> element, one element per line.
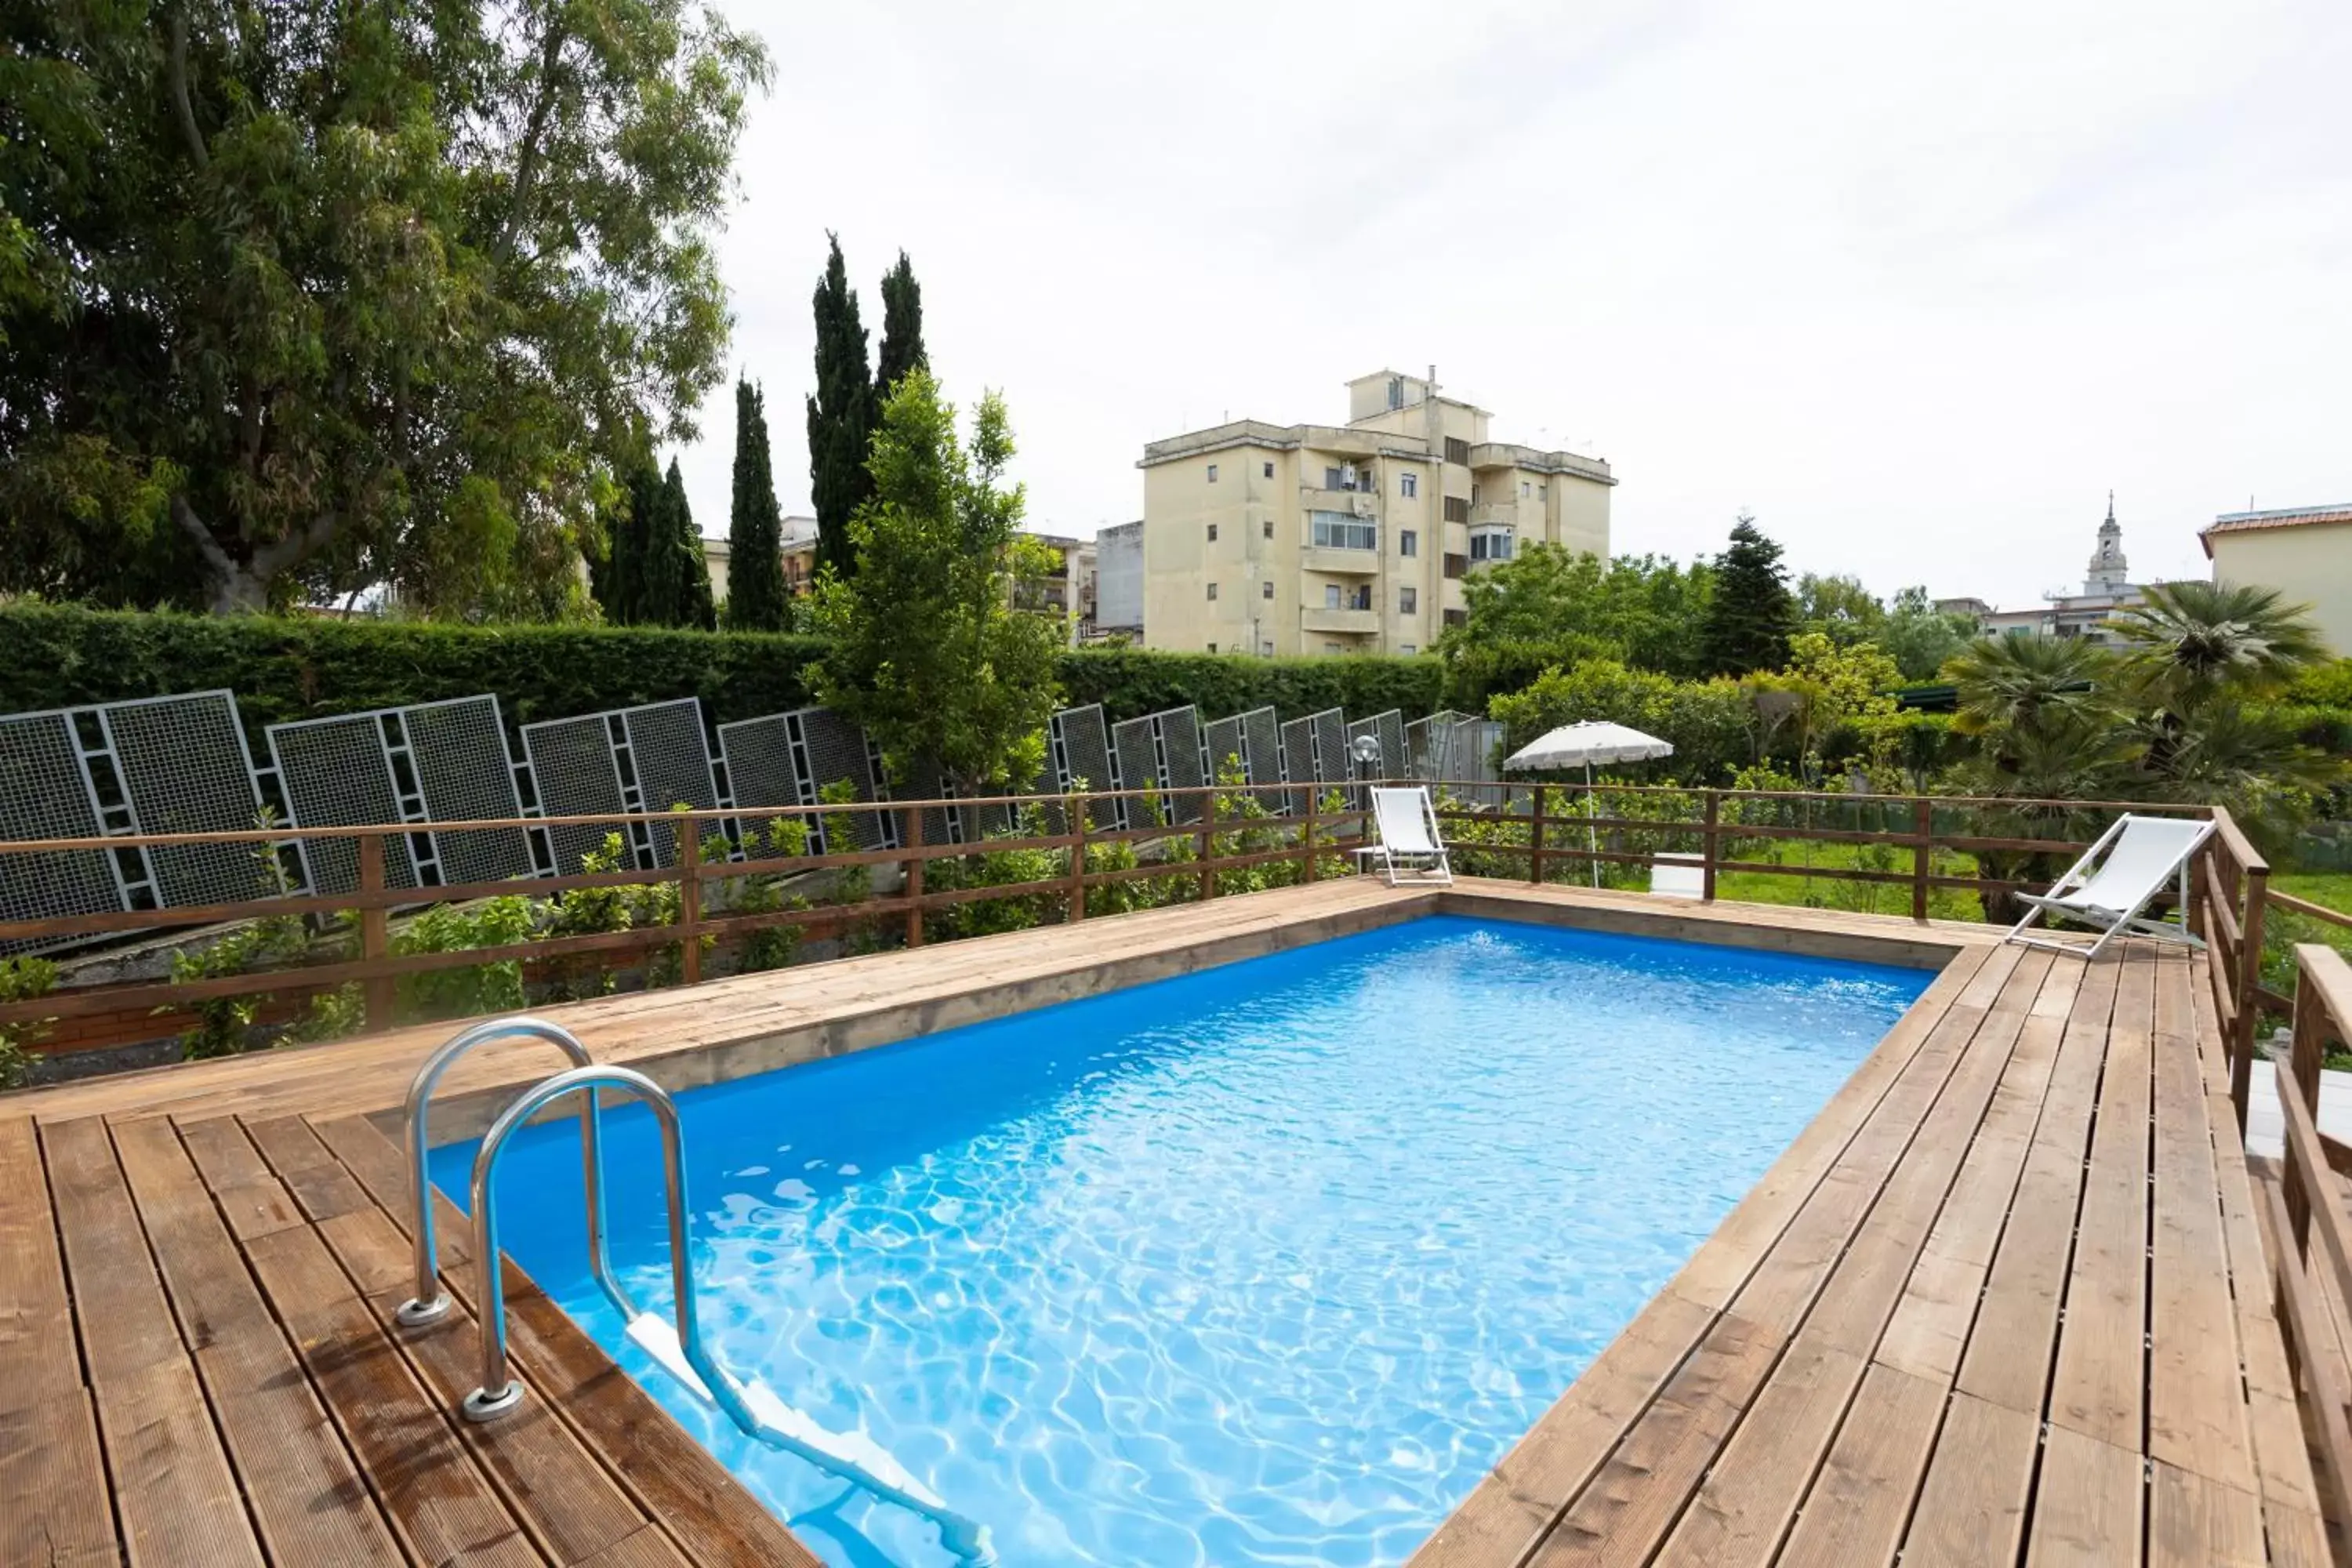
<point x="2114" y="879"/>
<point x="1674" y="875"/>
<point x="1409" y="837"/>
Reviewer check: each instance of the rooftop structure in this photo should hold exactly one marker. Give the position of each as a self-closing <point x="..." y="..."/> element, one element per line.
<point x="2305" y="553"/>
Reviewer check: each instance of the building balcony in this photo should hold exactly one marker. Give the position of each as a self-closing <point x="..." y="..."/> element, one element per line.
<point x="1357" y="622"/>
<point x="1338" y="562"/>
<point x="1351" y="503"/>
<point x="1504" y="513"/>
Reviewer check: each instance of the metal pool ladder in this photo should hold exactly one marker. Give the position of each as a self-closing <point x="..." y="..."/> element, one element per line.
<point x="755" y="1408"/>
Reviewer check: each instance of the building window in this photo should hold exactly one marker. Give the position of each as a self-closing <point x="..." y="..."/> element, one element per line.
<point x="1212" y="648"/>
<point x="1213" y="533"/>
<point x="1396" y="392"/>
<point x="1212" y="591"/>
<point x="1330" y="648"/>
<point x="1490" y="544"/>
<point x="1457" y="451"/>
<point x="1267" y="590"/>
<point x="1269" y="470"/>
<point x="1407" y="648"/>
<point x="1330" y="478"/>
<point x="1338" y="531"/>
<point x="1455" y="617"/>
<point x="1267" y="648"/>
<point x="1457" y="510"/>
<point x="1330" y="595"/>
<point x="1213" y="473"/>
<point x="1525" y="490"/>
<point x="1408" y="485"/>
<point x="1408" y="542"/>
<point x="1474" y="494"/>
<point x="1456" y="566"/>
<point x="1408" y="601"/>
<point x="1269" y="527"/>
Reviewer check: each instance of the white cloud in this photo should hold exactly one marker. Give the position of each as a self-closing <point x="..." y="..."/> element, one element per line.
<point x="1917" y="286"/>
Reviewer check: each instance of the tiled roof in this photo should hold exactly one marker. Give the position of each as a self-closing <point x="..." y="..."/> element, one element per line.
<point x="2292" y="517"/>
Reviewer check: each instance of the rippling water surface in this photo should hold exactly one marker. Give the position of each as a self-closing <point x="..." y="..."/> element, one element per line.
<point x="1262" y="1265"/>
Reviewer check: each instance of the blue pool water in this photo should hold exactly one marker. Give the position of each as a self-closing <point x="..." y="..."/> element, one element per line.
<point x="1262" y="1265"/>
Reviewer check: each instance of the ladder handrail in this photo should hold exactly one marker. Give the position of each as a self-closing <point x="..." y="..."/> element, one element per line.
<point x="429" y="1302"/>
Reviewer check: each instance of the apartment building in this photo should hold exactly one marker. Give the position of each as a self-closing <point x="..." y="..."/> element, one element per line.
<point x="1355" y="538"/>
<point x="2305" y="553"/>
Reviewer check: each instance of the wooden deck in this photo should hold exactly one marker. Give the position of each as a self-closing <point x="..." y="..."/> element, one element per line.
<point x="2002" y="1301"/>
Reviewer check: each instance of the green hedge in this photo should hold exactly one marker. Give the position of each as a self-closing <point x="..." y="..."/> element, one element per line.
<point x="55" y="656"/>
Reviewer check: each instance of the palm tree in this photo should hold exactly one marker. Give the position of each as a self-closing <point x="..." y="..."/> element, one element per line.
<point x="2186" y="643"/>
<point x="2014" y="682"/>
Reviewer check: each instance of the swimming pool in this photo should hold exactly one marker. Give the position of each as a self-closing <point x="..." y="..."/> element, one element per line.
<point x="1265" y="1265"/>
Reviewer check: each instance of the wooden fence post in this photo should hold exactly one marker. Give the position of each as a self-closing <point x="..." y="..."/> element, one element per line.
<point x="375" y="934"/>
<point x="2248" y="984"/>
<point x="914" y="878"/>
<point x="1208" y="847"/>
<point x="1075" y="806"/>
<point x="1712" y="832"/>
<point x="690" y="902"/>
<point x="2302" y="1066"/>
<point x="1307" y="837"/>
<point x="1535" y="839"/>
<point x="1923" y="855"/>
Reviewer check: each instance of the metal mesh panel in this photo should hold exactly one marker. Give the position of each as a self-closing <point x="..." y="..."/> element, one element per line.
<point x="572" y="763"/>
<point x="1180" y="761"/>
<point x="184" y="768"/>
<point x="1261" y="753"/>
<point x="672" y="755"/>
<point x="1138" y="758"/>
<point x="923" y="784"/>
<point x="1330" y="745"/>
<point x="335" y="775"/>
<point x="827" y="750"/>
<point x="1079" y="745"/>
<point x="1429" y="745"/>
<point x="759" y="755"/>
<point x="1388" y="730"/>
<point x="1299" y="759"/>
<point x="1223" y="741"/>
<point x="47" y="796"/>
<point x="459" y="750"/>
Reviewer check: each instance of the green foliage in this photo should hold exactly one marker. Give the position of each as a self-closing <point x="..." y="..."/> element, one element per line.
<point x="1840" y="608"/>
<point x="1128" y="682"/>
<point x="2187" y="644"/>
<point x="323" y="295"/>
<point x="902" y="330"/>
<point x="1711" y="723"/>
<point x="223" y="1026"/>
<point x="301" y="668"/>
<point x="769" y="947"/>
<point x="755" y="569"/>
<point x="1638" y="609"/>
<point x="998" y="867"/>
<point x="21" y="980"/>
<point x="842" y="415"/>
<point x="1750" y="615"/>
<point x="1817" y="708"/>
<point x="1920" y="638"/>
<point x="655" y="574"/>
<point x="927" y="654"/>
<point x="476" y="989"/>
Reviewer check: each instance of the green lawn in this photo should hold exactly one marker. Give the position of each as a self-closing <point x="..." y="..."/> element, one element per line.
<point x="2333" y="889"/>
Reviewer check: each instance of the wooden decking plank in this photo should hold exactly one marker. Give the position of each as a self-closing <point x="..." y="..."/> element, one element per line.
<point x="1640" y="1490"/>
<point x="253" y="1201"/>
<point x="1854" y="1513"/>
<point x="57" y="1509"/>
<point x="443" y="1507"/>
<point x="320" y="1187"/>
<point x="2194" y="1521"/>
<point x="718" y="1523"/>
<point x="1523" y="1495"/>
<point x="305" y="1490"/>
<point x="1862" y="1288"/>
<point x="1973" y="1504"/>
<point x="2007" y="1361"/>
<point x="2099" y="1386"/>
<point x="1716" y="1271"/>
<point x="1743" y="1508"/>
<point x="175" y="1496"/>
<point x="2086" y="1509"/>
<point x="2197" y="1415"/>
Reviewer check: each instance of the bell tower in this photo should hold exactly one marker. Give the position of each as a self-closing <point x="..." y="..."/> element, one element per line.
<point x="2108" y="573"/>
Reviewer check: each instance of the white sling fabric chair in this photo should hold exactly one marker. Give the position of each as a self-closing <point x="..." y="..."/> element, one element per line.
<point x="1409" y="837"/>
<point x="2114" y="880"/>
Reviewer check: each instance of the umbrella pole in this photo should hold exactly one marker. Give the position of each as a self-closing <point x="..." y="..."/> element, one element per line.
<point x="1591" y="833"/>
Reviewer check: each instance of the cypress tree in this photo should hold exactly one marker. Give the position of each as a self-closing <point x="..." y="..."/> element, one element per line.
<point x="623" y="587"/>
<point x="690" y="604"/>
<point x="840" y="417"/>
<point x="902" y="330"/>
<point x="1751" y="615"/>
<point x="755" y="573"/>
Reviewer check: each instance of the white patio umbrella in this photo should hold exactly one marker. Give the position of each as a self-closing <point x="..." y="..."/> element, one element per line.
<point x="1585" y="742"/>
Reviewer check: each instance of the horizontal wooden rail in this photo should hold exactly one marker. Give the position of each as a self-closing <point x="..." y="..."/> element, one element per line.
<point x="2308" y="1198"/>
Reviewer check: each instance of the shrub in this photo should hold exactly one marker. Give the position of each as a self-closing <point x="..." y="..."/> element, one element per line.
<point x="21" y="980"/>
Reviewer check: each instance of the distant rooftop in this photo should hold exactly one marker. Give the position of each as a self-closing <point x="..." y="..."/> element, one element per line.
<point x="2284" y="517"/>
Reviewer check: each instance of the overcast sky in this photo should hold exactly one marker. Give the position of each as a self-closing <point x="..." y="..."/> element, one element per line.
<point x="1915" y="285"/>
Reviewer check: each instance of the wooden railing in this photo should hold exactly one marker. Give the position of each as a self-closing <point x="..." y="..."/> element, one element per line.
<point x="2309" y="1197"/>
<point x="2228" y="908"/>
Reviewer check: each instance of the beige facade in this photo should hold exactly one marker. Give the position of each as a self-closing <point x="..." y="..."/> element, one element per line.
<point x="796" y="549"/>
<point x="2306" y="553"/>
<point x="1355" y="538"/>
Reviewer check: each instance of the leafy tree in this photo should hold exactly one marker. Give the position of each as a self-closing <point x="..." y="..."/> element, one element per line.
<point x="1826" y="688"/>
<point x="842" y="414"/>
<point x="1919" y="638"/>
<point x="655" y="574"/>
<point x="301" y="297"/>
<point x="1751" y="614"/>
<point x="928" y="652"/>
<point x="690" y="604"/>
<point x="1638" y="608"/>
<point x="2186" y="643"/>
<point x="902" y="329"/>
<point x="2013" y="684"/>
<point x="1840" y="608"/>
<point x="755" y="528"/>
<point x="1710" y="723"/>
